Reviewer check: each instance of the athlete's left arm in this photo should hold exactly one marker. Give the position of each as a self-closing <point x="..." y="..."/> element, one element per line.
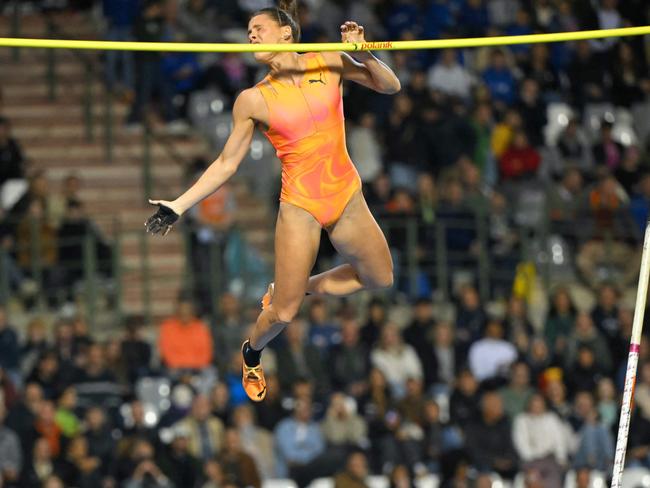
<point x="365" y="68"/>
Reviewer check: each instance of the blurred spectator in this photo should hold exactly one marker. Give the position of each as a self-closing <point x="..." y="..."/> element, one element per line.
<point x="11" y="460"/>
<point x="640" y="204"/>
<point x="489" y="439"/>
<point x="46" y="426"/>
<point x="80" y="468"/>
<point x="135" y="351"/>
<point x="205" y="431"/>
<point x="196" y="20"/>
<point x="518" y="327"/>
<point x="539" y="438"/>
<point x="539" y="68"/>
<point x="521" y="27"/>
<point x="490" y="357"/>
<point x="608" y="403"/>
<point x="504" y="131"/>
<point x="532" y="108"/>
<point x="365" y="148"/>
<point x="185" y="341"/>
<point x="35" y="344"/>
<point x="230" y="74"/>
<point x="574" y="147"/>
<point x="377" y="407"/>
<point x="349" y="363"/>
<point x="560" y="320"/>
<point x="449" y="76"/>
<point x="176" y="462"/>
<point x="610" y="238"/>
<point x="595" y="444"/>
<point x="145" y="472"/>
<point x="213" y="476"/>
<point x="11" y="155"/>
<point x="354" y="473"/>
<point x="299" y="442"/>
<point x="9" y="349"/>
<point x="565" y="201"/>
<point x="40" y="466"/>
<point x="585" y="335"/>
<point x="396" y="360"/>
<point x="271" y="411"/>
<point x="474" y="18"/>
<point x="499" y="78"/>
<point x="120" y="17"/>
<point x="520" y="161"/>
<point x="22" y="417"/>
<point x="471" y="318"/>
<point x="587" y="76"/>
<point x="630" y="169"/>
<point x="400" y="477"/>
<point x="608" y="153"/>
<point x="630" y="83"/>
<point x="238" y="466"/>
<point x="323" y="332"/>
<point x="230" y="328"/>
<point x="605" y="316"/>
<point x="343" y="427"/>
<point x="464" y="400"/>
<point x="300" y="360"/>
<point x="95" y="382"/>
<point x="376" y="319"/>
<point x="98" y="433"/>
<point x="255" y="441"/>
<point x="556" y="395"/>
<point x="518" y="392"/>
<point x="66" y="417"/>
<point x="150" y="26"/>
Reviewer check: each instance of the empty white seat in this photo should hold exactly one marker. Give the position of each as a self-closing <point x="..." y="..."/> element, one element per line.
<point x="321" y="483"/>
<point x="428" y="481"/>
<point x="279" y="483"/>
<point x="636" y="478"/>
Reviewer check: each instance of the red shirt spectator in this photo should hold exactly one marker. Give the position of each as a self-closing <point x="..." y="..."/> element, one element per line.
<point x="520" y="159"/>
<point x="185" y="340"/>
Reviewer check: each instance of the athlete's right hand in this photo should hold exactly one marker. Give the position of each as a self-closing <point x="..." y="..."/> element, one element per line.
<point x="163" y="220"/>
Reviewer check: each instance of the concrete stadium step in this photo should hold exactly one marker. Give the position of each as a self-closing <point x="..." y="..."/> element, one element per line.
<point x="60" y="111"/>
<point x="40" y="88"/>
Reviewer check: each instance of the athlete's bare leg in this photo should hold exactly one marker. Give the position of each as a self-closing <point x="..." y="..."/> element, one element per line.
<point x="297" y="237"/>
<point x="358" y="238"/>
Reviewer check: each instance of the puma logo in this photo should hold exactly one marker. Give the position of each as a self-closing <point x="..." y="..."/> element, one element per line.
<point x="261" y="393"/>
<point x="319" y="80"/>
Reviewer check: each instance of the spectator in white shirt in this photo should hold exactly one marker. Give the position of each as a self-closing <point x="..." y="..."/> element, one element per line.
<point x="491" y="356"/>
<point x="540" y="441"/>
<point x="448" y="76"/>
<point x="397" y="361"/>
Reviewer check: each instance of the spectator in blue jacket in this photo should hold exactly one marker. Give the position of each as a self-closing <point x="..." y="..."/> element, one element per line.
<point x="499" y="79"/>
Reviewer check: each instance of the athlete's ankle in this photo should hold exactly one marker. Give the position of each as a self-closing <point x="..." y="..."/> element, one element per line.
<point x="251" y="356"/>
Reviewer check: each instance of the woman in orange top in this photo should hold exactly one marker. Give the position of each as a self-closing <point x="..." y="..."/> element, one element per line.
<point x="299" y="108"/>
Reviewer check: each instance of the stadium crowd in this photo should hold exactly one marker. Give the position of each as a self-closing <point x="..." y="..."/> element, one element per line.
<point x="394" y="389"/>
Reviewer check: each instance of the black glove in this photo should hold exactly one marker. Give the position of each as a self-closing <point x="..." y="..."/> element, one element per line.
<point x="162" y="220"/>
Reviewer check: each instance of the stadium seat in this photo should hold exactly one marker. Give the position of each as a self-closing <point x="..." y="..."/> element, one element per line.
<point x="558" y="115"/>
<point x="377" y="482"/>
<point x="428" y="481"/>
<point x="321" y="483"/>
<point x="154" y="393"/>
<point x="636" y="478"/>
<point x="596" y="480"/>
<point x="594" y="113"/>
<point x="279" y="483"/>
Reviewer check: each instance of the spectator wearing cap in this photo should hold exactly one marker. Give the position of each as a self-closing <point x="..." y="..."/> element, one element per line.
<point x="489" y="439"/>
<point x="205" y="431"/>
<point x="185" y="341"/>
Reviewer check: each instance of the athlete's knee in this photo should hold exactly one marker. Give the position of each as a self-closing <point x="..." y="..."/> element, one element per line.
<point x="379" y="281"/>
<point x="286" y="313"/>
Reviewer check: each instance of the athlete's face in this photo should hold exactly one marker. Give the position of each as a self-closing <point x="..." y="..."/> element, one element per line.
<point x="263" y="29"/>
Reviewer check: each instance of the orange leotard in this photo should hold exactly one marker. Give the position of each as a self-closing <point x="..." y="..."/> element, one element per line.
<point x="307" y="130"/>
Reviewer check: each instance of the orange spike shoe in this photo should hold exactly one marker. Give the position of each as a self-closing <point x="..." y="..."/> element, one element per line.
<point x="253" y="380"/>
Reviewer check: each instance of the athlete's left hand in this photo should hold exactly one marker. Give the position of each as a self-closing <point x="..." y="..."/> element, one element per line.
<point x="353" y="32"/>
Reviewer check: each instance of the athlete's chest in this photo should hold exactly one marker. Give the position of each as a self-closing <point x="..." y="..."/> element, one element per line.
<point x="292" y="111"/>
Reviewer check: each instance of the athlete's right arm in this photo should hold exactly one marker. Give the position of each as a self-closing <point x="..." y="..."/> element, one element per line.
<point x="217" y="173"/>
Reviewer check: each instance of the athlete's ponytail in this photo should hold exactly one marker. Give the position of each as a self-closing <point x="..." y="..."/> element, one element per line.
<point x="286" y="14"/>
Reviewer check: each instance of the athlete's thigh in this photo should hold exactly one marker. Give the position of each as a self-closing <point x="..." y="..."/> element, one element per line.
<point x="358" y="238"/>
<point x="297" y="237"/>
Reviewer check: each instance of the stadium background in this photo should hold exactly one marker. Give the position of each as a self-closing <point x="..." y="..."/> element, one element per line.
<point x="513" y="185"/>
